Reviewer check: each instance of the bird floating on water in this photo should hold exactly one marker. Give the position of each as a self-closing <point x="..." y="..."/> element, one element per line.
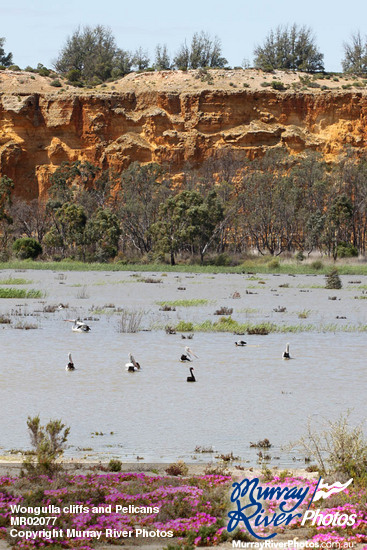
<point x="191" y="378"/>
<point x="78" y="326"/>
<point x="132" y="365"/>
<point x="241" y="343"/>
<point x="286" y="352"/>
<point x="187" y="356"/>
<point x="70" y="365"/>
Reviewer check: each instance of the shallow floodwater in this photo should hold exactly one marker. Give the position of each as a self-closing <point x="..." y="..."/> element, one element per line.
<point x="242" y="394"/>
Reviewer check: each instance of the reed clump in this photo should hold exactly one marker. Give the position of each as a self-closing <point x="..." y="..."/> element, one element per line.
<point x="130" y="321"/>
<point x="20" y="293"/>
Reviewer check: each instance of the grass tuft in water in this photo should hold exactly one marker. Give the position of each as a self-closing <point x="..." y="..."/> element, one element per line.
<point x="5" y="319"/>
<point x="15" y="281"/>
<point x="184" y="303"/>
<point x="25" y="326"/>
<point x="304" y="314"/>
<point x="82" y="293"/>
<point x="130" y="321"/>
<point x="183" y="326"/>
<point x="20" y="293"/>
<point x="227" y="324"/>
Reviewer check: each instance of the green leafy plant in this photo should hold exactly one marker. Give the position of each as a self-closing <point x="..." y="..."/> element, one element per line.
<point x="56" y="83"/>
<point x="115" y="465"/>
<point x="277" y="85"/>
<point x="333" y="280"/>
<point x="184" y="326"/>
<point x="48" y="443"/>
<point x="317" y="264"/>
<point x="27" y="247"/>
<point x="346" y="250"/>
<point x="20" y="293"/>
<point x="274" y="263"/>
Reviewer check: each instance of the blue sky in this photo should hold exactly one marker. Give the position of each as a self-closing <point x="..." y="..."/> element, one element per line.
<point x="35" y="30"/>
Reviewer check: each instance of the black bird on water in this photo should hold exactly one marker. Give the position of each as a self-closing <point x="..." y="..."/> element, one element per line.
<point x="191" y="378"/>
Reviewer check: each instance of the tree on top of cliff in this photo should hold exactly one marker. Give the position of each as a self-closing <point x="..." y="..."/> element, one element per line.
<point x="162" y="60"/>
<point x="5" y="60"/>
<point x="204" y="51"/>
<point x="355" y="55"/>
<point x="93" y="53"/>
<point x="141" y="59"/>
<point x="289" y="48"/>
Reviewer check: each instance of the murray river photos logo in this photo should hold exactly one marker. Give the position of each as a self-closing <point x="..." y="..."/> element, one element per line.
<point x="249" y="498"/>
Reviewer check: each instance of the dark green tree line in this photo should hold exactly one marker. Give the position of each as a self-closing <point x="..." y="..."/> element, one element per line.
<point x="275" y="204"/>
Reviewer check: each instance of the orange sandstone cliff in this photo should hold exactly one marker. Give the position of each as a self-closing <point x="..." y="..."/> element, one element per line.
<point x="166" y="124"/>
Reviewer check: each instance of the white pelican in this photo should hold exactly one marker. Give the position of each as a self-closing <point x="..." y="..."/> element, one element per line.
<point x="70" y="365"/>
<point x="78" y="325"/>
<point x="286" y="352"/>
<point x="187" y="356"/>
<point x="191" y="378"/>
<point x="240" y="343"/>
<point x="132" y="365"/>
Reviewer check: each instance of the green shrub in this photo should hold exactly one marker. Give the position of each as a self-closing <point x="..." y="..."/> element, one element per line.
<point x="56" y="83"/>
<point x="317" y="264"/>
<point x="184" y="326"/>
<point x="43" y="71"/>
<point x="274" y="264"/>
<point x="333" y="280"/>
<point x="95" y="81"/>
<point x="27" y="247"/>
<point x="48" y="443"/>
<point x="73" y="75"/>
<point x="220" y="259"/>
<point x="114" y="465"/>
<point x="346" y="250"/>
<point x="277" y="85"/>
<point x="14" y="68"/>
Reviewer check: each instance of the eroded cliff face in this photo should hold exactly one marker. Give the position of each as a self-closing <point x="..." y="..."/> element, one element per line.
<point x="38" y="131"/>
